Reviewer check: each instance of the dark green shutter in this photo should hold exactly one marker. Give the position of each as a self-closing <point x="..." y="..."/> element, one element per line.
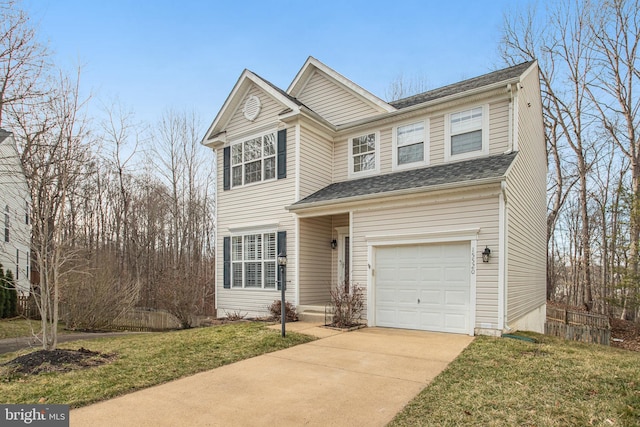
<point x="226" y="280"/>
<point x="226" y="179"/>
<point x="282" y="154"/>
<point x="282" y="249"/>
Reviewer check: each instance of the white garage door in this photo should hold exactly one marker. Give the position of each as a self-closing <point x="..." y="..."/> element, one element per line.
<point x="423" y="287"/>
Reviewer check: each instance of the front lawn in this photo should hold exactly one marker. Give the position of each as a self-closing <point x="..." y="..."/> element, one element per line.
<point x="501" y="381"/>
<point x="16" y="328"/>
<point x="142" y="361"/>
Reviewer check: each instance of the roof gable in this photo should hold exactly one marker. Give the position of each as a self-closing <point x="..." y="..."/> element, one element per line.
<point x="238" y="95"/>
<point x="314" y="70"/>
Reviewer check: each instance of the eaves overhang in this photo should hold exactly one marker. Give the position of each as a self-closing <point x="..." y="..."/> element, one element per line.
<point x="301" y="208"/>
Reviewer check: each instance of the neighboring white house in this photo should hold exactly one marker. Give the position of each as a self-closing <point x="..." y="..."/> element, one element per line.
<point x="15" y="228"/>
<point x="402" y="198"/>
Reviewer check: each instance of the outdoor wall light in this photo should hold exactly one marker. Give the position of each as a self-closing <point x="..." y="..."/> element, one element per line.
<point x="334" y="244"/>
<point x="282" y="259"/>
<point x="486" y="254"/>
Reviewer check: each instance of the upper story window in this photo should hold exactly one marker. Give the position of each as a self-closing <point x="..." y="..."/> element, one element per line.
<point x="363" y="154"/>
<point x="253" y="260"/>
<point x="253" y="160"/>
<point x="411" y="145"/>
<point x="6" y="223"/>
<point x="467" y="133"/>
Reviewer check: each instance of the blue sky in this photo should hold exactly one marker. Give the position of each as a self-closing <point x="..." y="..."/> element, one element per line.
<point x="155" y="55"/>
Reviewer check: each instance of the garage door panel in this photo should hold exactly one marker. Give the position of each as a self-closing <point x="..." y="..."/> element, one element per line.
<point x="437" y="275"/>
<point x="407" y="296"/>
<point x="455" y="298"/>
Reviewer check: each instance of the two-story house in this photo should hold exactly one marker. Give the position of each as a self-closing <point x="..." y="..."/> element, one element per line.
<point x="15" y="229"/>
<point x="435" y="203"/>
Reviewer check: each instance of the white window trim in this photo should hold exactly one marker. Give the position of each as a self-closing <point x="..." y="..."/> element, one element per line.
<point x="485" y="135"/>
<point x="244" y="261"/>
<point x="373" y="171"/>
<point x="426" y="146"/>
<point x="242" y="141"/>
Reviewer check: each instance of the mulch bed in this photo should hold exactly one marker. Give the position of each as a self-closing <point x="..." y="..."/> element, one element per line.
<point x="58" y="360"/>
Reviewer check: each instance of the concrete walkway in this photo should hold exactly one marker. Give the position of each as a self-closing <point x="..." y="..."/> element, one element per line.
<point x="358" y="378"/>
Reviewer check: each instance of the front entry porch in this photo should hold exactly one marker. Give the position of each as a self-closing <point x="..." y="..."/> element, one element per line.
<point x="325" y="262"/>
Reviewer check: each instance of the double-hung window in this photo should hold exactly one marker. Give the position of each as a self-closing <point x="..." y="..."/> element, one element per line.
<point x="253" y="261"/>
<point x="410" y="145"/>
<point x="253" y="160"/>
<point x="466" y="133"/>
<point x="363" y="154"/>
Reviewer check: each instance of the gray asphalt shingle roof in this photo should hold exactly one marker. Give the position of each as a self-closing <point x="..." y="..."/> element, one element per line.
<point x="463" y="86"/>
<point x="469" y="170"/>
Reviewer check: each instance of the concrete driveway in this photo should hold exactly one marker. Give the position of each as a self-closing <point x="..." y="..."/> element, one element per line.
<point x="358" y="378"/>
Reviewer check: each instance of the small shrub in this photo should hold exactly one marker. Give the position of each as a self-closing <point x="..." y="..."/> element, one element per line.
<point x="289" y="310"/>
<point x="235" y="315"/>
<point x="347" y="306"/>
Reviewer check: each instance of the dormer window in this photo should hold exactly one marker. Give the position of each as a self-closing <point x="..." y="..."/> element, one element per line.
<point x="363" y="154"/>
<point x="253" y="160"/>
<point x="467" y="133"/>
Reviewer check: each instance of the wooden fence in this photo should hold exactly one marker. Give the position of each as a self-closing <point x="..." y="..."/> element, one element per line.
<point x="578" y="326"/>
<point x="146" y="321"/>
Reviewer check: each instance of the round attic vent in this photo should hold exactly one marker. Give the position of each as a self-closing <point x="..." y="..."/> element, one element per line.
<point x="251" y="108"/>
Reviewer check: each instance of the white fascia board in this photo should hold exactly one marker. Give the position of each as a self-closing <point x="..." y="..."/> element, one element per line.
<point x="460" y="185"/>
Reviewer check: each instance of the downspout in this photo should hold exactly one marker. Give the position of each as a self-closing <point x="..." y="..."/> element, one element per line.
<point x="502" y="258"/>
<point x="510" y="131"/>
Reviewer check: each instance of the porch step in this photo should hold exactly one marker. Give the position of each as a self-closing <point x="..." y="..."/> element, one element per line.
<point x="314" y="317"/>
<point x="313" y="313"/>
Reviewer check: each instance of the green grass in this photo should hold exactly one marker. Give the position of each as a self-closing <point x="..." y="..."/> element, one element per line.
<point x="143" y="361"/>
<point x="16" y="328"/>
<point x="500" y="381"/>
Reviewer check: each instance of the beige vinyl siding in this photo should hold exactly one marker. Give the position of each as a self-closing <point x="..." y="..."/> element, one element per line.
<point x="386" y="148"/>
<point x="251" y="206"/>
<point x="315" y="260"/>
<point x="268" y="114"/>
<point x="499" y="127"/>
<point x="526" y="208"/>
<point x="498" y="139"/>
<point x="316" y="154"/>
<point x="431" y="216"/>
<point x="334" y="102"/>
<point x="436" y="124"/>
<point x="340" y="160"/>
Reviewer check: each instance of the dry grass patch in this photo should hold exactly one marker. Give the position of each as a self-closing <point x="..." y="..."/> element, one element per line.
<point x="499" y="381"/>
<point x="17" y="328"/>
<point x="141" y="361"/>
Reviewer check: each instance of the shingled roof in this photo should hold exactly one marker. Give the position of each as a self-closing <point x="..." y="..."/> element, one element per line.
<point x="459" y="172"/>
<point x="463" y="86"/>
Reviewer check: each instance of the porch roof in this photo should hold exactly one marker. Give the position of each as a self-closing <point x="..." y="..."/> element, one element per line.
<point x="468" y="172"/>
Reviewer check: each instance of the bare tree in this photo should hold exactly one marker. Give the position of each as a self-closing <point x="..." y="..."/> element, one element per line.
<point x="53" y="151"/>
<point x="23" y="61"/>
<point x="565" y="65"/>
<point x="403" y="86"/>
<point x="615" y="29"/>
